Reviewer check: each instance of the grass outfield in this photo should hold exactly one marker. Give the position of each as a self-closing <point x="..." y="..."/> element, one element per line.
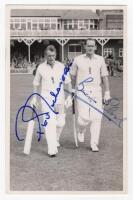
<point x="73" y="169"/>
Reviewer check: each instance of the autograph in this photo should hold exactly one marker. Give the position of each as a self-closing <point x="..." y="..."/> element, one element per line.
<point x="46" y="114"/>
<point x="82" y="84"/>
<point x="106" y="112"/>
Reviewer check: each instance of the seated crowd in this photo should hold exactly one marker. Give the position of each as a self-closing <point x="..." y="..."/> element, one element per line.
<point x="21" y="62"/>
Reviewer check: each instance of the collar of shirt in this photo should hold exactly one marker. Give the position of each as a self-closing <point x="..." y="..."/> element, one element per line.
<point x="94" y="56"/>
<point x="50" y="65"/>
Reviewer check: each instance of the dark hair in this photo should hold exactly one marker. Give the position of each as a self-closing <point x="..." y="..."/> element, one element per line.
<point x="90" y="39"/>
<point x="50" y="48"/>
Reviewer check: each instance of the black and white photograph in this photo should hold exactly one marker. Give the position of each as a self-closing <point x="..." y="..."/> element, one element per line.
<point x="67" y="91"/>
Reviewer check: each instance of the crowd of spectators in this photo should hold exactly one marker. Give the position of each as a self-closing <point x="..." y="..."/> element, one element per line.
<point x="20" y="62"/>
<point x="114" y="66"/>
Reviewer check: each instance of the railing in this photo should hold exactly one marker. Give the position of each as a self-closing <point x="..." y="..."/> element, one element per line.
<point x="66" y="33"/>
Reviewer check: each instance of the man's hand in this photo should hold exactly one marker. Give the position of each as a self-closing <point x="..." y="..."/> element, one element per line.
<point x="68" y="101"/>
<point x="73" y="92"/>
<point x="107" y="97"/>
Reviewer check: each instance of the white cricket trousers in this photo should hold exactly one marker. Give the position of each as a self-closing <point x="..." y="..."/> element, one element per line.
<point x="50" y="128"/>
<point x="95" y="129"/>
<point x="51" y="136"/>
<point x="89" y="108"/>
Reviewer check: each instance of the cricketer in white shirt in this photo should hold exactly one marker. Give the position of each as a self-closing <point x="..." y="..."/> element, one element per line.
<point x="49" y="75"/>
<point x="86" y="73"/>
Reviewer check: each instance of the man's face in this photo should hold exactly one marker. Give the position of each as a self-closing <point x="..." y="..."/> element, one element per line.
<point x="90" y="47"/>
<point x="51" y="56"/>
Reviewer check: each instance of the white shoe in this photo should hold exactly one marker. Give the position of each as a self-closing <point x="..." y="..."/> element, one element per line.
<point x="94" y="148"/>
<point x="81" y="137"/>
<point x="52" y="153"/>
<point x="58" y="144"/>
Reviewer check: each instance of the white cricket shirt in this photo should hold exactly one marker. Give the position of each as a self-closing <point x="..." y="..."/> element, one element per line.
<point x="50" y="77"/>
<point x="83" y="67"/>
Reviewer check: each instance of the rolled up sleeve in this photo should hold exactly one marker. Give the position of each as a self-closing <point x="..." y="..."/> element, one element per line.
<point x="37" y="79"/>
<point x="104" y="71"/>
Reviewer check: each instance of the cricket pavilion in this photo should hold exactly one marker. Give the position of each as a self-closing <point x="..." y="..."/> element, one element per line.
<point x="32" y="30"/>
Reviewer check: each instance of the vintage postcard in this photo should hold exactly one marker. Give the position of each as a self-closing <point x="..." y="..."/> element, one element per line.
<point x="66" y="99"/>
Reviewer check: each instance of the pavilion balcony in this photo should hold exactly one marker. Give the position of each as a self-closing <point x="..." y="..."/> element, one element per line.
<point x="66" y="33"/>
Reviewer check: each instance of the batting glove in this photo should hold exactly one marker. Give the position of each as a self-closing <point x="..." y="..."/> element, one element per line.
<point x="107" y="97"/>
<point x="68" y="101"/>
<point x="73" y="91"/>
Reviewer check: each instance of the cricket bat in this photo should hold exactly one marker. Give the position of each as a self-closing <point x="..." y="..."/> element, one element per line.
<point x="29" y="135"/>
<point x="74" y="121"/>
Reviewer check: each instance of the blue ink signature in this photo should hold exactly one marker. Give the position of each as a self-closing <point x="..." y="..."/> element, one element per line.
<point x="108" y="113"/>
<point x="55" y="95"/>
<point x="82" y="84"/>
<point x="112" y="106"/>
<point x="35" y="114"/>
